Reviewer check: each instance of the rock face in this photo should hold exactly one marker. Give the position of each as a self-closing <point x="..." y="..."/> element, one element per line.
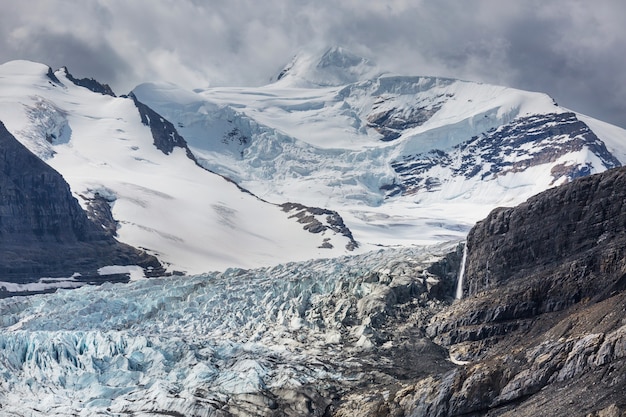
<point x="330" y="220"/>
<point x="542" y="327"/>
<point x="581" y="225"/>
<point x="165" y="135"/>
<point x="514" y="147"/>
<point x="43" y="230"/>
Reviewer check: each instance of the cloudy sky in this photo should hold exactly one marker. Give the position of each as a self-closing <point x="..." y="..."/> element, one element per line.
<point x="573" y="50"/>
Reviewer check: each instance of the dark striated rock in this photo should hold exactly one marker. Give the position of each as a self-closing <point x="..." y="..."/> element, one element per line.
<point x="514" y="147"/>
<point x="165" y="135"/>
<point x="575" y="232"/>
<point x="333" y="221"/>
<point x="43" y="230"/>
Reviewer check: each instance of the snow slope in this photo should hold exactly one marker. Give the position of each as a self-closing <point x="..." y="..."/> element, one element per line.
<point x="192" y="219"/>
<point x="354" y="144"/>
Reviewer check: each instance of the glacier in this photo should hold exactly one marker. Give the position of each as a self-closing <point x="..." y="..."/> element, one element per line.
<point x="238" y="342"/>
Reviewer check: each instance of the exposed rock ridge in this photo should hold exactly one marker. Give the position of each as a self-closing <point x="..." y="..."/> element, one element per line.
<point x="43" y="230"/>
<point x="514" y="147"/>
<point x="165" y="135"/>
<point x="333" y="221"/>
<point x="390" y="119"/>
<point x="90" y="84"/>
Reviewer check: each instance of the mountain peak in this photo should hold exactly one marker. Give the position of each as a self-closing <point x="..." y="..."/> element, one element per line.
<point x="333" y="66"/>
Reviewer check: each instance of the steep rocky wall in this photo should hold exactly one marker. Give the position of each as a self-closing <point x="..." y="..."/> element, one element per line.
<point x="43" y="230"/>
<point x="585" y="219"/>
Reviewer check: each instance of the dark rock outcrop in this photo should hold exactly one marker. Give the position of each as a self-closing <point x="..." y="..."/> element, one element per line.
<point x="569" y="241"/>
<point x="391" y="122"/>
<point x="165" y="135"/>
<point x="90" y="84"/>
<point x="43" y="230"/>
<point x="332" y="221"/>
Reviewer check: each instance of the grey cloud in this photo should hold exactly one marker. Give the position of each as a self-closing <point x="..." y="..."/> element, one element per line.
<point x="83" y="60"/>
<point x="570" y="49"/>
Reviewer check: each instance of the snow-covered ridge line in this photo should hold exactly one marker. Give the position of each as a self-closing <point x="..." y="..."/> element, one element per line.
<point x="402" y="159"/>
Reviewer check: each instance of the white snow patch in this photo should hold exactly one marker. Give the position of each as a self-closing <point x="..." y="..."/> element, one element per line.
<point x="134" y="271"/>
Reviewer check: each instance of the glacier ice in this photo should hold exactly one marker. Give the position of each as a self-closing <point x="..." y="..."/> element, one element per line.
<point x="239" y="341"/>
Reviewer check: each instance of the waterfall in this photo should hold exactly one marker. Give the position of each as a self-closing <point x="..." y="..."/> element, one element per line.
<point x="459" y="282"/>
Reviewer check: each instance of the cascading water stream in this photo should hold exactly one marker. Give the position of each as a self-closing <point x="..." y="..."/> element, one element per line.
<point x="459" y="282"/>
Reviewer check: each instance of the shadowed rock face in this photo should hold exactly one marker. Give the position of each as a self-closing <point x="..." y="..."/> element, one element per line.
<point x="165" y="135"/>
<point x="43" y="230"/>
<point x="582" y="225"/>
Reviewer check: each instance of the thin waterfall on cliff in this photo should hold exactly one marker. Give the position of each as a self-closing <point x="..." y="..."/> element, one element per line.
<point x="459" y="282"/>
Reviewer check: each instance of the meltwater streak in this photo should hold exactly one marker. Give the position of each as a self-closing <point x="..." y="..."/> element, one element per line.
<point x="459" y="282"/>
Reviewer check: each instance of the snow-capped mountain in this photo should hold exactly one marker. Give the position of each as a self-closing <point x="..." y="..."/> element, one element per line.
<point x="332" y="67"/>
<point x="403" y="159"/>
<point x="333" y="156"/>
<point x="120" y="150"/>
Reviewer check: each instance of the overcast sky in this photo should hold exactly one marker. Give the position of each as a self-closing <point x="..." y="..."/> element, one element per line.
<point x="573" y="50"/>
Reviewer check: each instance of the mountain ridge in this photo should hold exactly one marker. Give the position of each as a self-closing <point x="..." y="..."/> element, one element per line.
<point x="402" y="159"/>
<point x="134" y="158"/>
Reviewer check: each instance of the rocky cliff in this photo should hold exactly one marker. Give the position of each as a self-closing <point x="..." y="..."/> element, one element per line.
<point x="541" y="329"/>
<point x="43" y="230"/>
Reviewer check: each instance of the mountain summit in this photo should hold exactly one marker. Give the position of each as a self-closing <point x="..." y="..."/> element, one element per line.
<point x="332" y="67"/>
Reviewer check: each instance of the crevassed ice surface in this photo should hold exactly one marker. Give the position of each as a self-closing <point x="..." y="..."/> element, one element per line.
<point x="195" y="345"/>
